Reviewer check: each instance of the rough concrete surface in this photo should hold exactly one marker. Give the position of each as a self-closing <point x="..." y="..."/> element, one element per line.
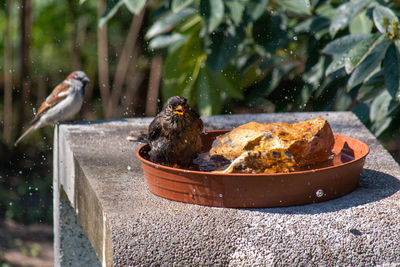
<point x="138" y="228"/>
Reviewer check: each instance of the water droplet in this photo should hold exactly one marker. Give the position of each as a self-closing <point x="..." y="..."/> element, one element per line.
<point x="320" y="193"/>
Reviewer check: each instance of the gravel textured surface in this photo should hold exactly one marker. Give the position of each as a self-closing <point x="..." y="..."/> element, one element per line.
<point x="361" y="228"/>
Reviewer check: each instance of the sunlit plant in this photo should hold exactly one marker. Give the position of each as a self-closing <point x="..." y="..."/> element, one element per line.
<point x="281" y="55"/>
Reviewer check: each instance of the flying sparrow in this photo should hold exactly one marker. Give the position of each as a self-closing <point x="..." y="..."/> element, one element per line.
<point x="174" y="134"/>
<point x="62" y="104"/>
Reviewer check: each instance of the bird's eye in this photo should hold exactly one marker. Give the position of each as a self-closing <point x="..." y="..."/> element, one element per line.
<point x="170" y="107"/>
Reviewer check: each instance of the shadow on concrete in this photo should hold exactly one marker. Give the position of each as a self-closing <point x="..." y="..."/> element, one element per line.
<point x="373" y="186"/>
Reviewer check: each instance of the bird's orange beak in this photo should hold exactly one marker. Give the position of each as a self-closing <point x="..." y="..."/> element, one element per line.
<point x="179" y="110"/>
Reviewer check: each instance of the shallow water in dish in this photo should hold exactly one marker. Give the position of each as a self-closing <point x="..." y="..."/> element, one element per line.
<point x="204" y="162"/>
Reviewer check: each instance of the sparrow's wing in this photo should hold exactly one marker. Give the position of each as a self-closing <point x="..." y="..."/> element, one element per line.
<point x="155" y="128"/>
<point x="58" y="94"/>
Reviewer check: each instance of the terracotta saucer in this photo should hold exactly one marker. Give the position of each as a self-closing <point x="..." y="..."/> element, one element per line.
<point x="339" y="177"/>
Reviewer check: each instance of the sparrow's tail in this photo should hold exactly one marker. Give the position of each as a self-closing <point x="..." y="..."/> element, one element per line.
<point x="30" y="129"/>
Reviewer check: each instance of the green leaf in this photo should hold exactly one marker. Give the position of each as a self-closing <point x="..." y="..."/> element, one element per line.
<point x="313" y="25"/>
<point x="255" y="8"/>
<point x="315" y="74"/>
<point x="110" y="12"/>
<point x="236" y="9"/>
<point x="271" y="32"/>
<point x="371" y="88"/>
<point x="223" y="48"/>
<point x="296" y="6"/>
<point x="326" y="10"/>
<point x="368" y="66"/>
<point x="181" y="68"/>
<point x="209" y="99"/>
<point x="162" y="41"/>
<point x="361" y="24"/>
<point x="135" y="6"/>
<point x="336" y="64"/>
<point x="342" y="101"/>
<point x="212" y="12"/>
<point x="227" y="82"/>
<point x="379" y="126"/>
<point x="391" y="69"/>
<point x="167" y="22"/>
<point x="379" y="112"/>
<point x="344" y="44"/>
<point x="178" y="5"/>
<point x="345" y="13"/>
<point x="361" y="51"/>
<point x="362" y="111"/>
<point x="381" y="12"/>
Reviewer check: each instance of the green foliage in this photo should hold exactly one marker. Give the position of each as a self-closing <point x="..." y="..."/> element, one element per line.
<point x="291" y="55"/>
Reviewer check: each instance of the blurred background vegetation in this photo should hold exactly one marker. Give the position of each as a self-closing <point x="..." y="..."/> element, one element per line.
<point x="225" y="56"/>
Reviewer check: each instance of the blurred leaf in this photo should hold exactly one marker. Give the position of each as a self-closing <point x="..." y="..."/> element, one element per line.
<point x="343" y="100"/>
<point x="135" y="6"/>
<point x="227" y="83"/>
<point x="223" y="48"/>
<point x="326" y="10"/>
<point x="296" y="6"/>
<point x="362" y="112"/>
<point x="181" y="68"/>
<point x="381" y="12"/>
<point x="255" y="8"/>
<point x="178" y="5"/>
<point x="167" y="22"/>
<point x="361" y="51"/>
<point x="368" y="66"/>
<point x="277" y="75"/>
<point x="379" y="126"/>
<point x="110" y="12"/>
<point x="162" y="41"/>
<point x="191" y="23"/>
<point x="209" y="100"/>
<point x="380" y="105"/>
<point x="345" y="13"/>
<point x="270" y="31"/>
<point x="212" y="12"/>
<point x="361" y="24"/>
<point x="250" y="76"/>
<point x="312" y="25"/>
<point x="236" y="9"/>
<point x="391" y="65"/>
<point x="379" y="111"/>
<point x="315" y="74"/>
<point x="305" y="94"/>
<point x="336" y="64"/>
<point x="371" y="88"/>
<point x="344" y="44"/>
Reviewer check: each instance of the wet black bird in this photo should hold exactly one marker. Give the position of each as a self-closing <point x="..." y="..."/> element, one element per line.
<point x="174" y="134"/>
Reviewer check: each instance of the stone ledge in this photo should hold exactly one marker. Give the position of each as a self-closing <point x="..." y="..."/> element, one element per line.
<point x="127" y="225"/>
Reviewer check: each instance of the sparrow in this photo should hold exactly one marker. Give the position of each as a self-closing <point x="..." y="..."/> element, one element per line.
<point x="62" y="104"/>
<point x="174" y="134"/>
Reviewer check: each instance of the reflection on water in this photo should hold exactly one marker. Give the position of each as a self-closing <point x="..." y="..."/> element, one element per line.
<point x="204" y="162"/>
